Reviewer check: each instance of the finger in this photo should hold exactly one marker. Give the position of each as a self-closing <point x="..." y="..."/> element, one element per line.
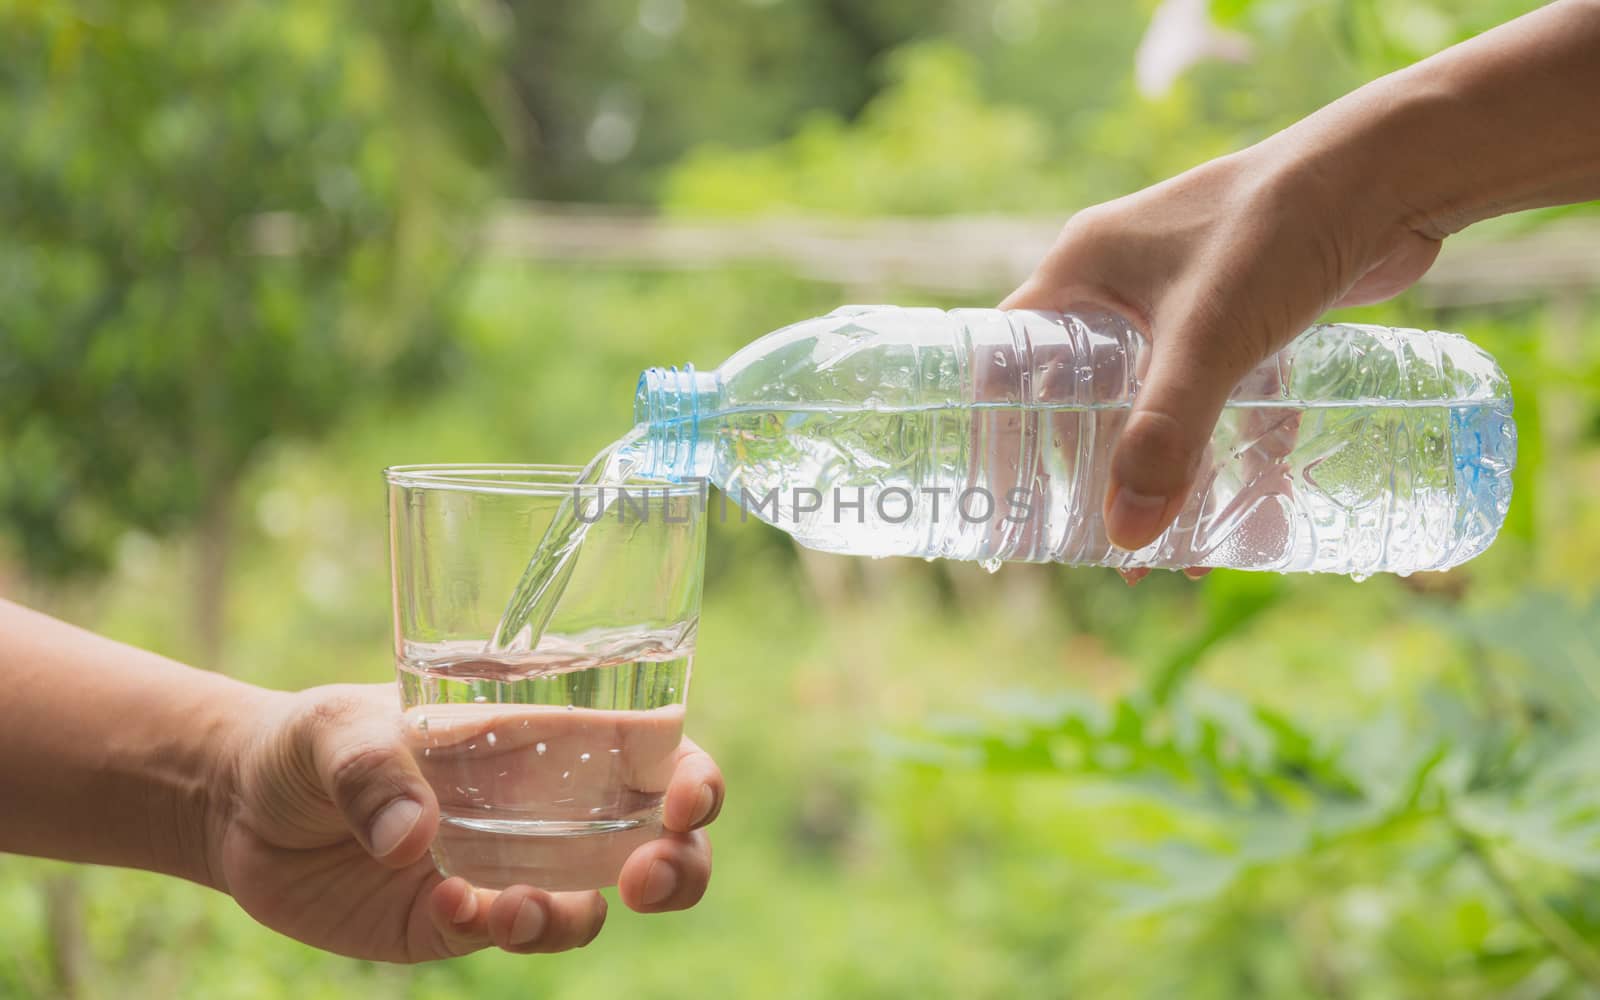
<point x="527" y="920"/>
<point x="1169" y="426"/>
<point x="669" y="873"/>
<point x="1196" y="572"/>
<point x="1395" y="273"/>
<point x="1031" y="294"/>
<point x="355" y="749"/>
<point x="1132" y="576"/>
<point x="694" y="796"/>
<point x="460" y="915"/>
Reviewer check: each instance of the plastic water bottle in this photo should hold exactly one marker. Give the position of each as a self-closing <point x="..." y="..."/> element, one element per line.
<point x="986" y="435"/>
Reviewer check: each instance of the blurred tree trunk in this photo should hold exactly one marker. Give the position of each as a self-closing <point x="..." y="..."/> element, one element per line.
<point x="68" y="952"/>
<point x="213" y="547"/>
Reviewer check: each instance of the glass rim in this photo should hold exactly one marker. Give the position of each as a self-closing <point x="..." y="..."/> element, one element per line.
<point x="524" y="479"/>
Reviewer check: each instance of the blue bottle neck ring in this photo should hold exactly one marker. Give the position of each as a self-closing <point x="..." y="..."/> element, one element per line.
<point x="671" y="402"/>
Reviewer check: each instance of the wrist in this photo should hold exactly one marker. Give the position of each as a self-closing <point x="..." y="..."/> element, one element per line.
<point x="219" y="736"/>
<point x="1353" y="166"/>
<point x="1497" y="124"/>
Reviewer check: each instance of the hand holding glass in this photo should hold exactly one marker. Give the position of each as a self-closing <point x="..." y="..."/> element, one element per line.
<point x="549" y="762"/>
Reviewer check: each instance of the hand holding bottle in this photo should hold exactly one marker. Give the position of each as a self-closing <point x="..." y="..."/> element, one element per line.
<point x="1224" y="264"/>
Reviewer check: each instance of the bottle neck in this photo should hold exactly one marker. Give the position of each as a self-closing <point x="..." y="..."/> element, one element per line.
<point x="671" y="403"/>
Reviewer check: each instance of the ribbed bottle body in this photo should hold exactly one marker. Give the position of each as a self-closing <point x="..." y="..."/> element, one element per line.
<point x="986" y="435"/>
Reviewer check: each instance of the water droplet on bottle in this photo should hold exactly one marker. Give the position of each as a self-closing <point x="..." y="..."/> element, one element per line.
<point x="992" y="564"/>
<point x="583" y="758"/>
<point x="422" y="724"/>
<point x="480" y="699"/>
<point x="565" y="775"/>
<point x="427" y="751"/>
<point x="490" y="738"/>
<point x="1360" y="576"/>
<point x="616" y="749"/>
<point x="571" y="707"/>
<point x="999" y="359"/>
<point x="672" y="690"/>
<point x="472" y="746"/>
<point x="539" y="748"/>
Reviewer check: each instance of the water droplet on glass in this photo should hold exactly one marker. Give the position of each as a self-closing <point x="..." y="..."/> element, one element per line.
<point x="539" y="748"/>
<point x="480" y="699"/>
<point x="672" y="690"/>
<point x="583" y="758"/>
<point x="427" y="751"/>
<point x="999" y="359"/>
<point x="616" y="749"/>
<point x="992" y="564"/>
<point x="565" y="775"/>
<point x="489" y="738"/>
<point x="571" y="707"/>
<point x="422" y="724"/>
<point x="472" y="746"/>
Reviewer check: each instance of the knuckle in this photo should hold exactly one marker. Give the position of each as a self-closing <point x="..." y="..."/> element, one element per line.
<point x="699" y="762"/>
<point x="1089" y="223"/>
<point x="354" y="769"/>
<point x="330" y="708"/>
<point x="1076" y="243"/>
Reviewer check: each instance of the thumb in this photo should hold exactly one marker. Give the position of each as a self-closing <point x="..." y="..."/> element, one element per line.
<point x="1174" y="413"/>
<point x="371" y="777"/>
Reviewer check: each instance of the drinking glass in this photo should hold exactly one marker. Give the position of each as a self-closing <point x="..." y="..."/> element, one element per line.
<point x="549" y="758"/>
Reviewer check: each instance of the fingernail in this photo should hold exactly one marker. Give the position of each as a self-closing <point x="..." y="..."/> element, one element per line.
<point x="468" y="908"/>
<point x="659" y="882"/>
<point x="702" y="809"/>
<point x="392" y="825"/>
<point x="529" y="923"/>
<point x="1134" y="518"/>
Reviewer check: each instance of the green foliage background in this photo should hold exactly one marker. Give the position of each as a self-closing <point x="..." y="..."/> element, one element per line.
<point x="1249" y="786"/>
